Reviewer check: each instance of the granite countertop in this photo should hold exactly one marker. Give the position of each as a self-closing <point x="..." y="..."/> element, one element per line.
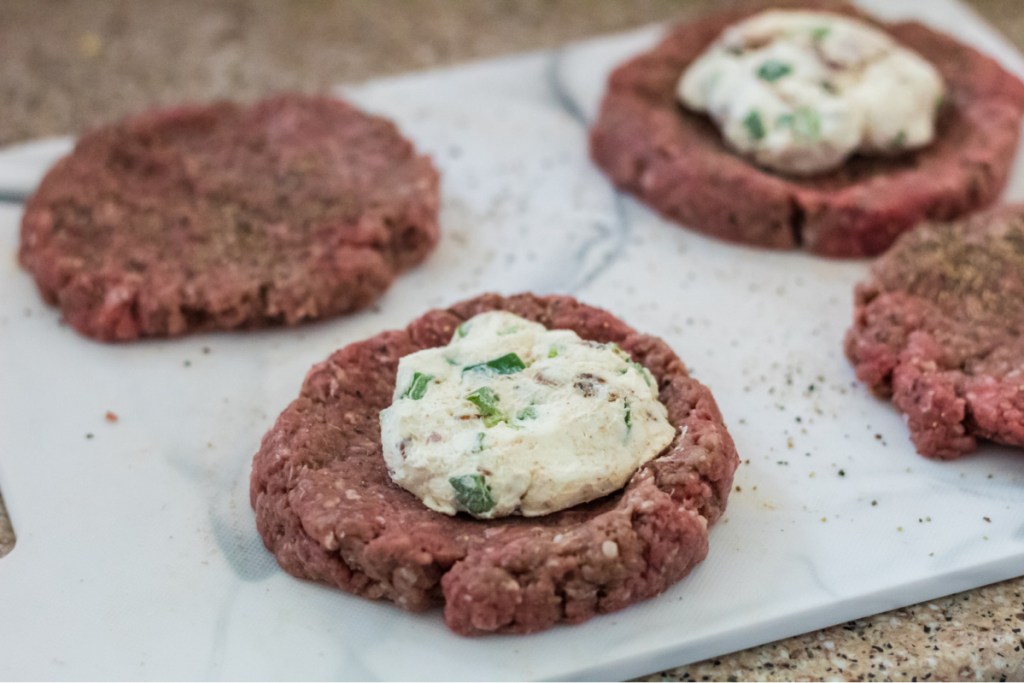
<point x="65" y="66"/>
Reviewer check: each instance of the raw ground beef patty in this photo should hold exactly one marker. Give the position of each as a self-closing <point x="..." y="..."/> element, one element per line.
<point x="223" y="216"/>
<point x="676" y="162"/>
<point x="939" y="327"/>
<point x="328" y="510"/>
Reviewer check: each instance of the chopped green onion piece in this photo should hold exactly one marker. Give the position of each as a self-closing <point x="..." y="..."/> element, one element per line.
<point x="462" y="330"/>
<point x="622" y="353"/>
<point x="553" y="352"/>
<point x="527" y="413"/>
<point x="479" y="442"/>
<point x="418" y="387"/>
<point x="450" y="361"/>
<point x="754" y="125"/>
<point x="472" y="493"/>
<point x="804" y="122"/>
<point x="643" y="371"/>
<point x="487" y="400"/>
<point x="773" y="70"/>
<point x="505" y="331"/>
<point x="508" y="364"/>
<point x="629" y="417"/>
<point x="820" y="32"/>
<point x="899" y="141"/>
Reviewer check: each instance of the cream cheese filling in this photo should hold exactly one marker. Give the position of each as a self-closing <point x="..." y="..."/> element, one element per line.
<point x="513" y="418"/>
<point x="801" y="91"/>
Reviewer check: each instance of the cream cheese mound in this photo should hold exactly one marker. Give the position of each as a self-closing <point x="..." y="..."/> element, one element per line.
<point x="801" y="91"/>
<point x="511" y="417"/>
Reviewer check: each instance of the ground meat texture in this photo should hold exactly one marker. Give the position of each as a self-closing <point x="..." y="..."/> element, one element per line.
<point x="939" y="328"/>
<point x="328" y="510"/>
<point x="676" y="162"/>
<point x="224" y="217"/>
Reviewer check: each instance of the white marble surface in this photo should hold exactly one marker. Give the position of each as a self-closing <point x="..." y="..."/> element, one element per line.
<point x="137" y="556"/>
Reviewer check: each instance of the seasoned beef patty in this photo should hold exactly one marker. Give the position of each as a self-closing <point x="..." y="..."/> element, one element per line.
<point x="328" y="510"/>
<point x="676" y="162"/>
<point x="939" y="327"/>
<point x="224" y="216"/>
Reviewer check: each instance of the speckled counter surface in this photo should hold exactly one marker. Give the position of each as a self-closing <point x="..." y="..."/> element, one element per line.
<point x="65" y="66"/>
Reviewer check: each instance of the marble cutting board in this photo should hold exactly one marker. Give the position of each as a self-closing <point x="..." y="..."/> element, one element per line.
<point x="137" y="556"/>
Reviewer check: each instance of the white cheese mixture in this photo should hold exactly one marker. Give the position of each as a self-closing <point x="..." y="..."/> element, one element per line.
<point x="801" y="91"/>
<point x="511" y="417"/>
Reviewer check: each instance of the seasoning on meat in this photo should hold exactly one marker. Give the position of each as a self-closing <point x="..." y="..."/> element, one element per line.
<point x="939" y="328"/>
<point x="225" y="217"/>
<point x="676" y="162"/>
<point x="327" y="509"/>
